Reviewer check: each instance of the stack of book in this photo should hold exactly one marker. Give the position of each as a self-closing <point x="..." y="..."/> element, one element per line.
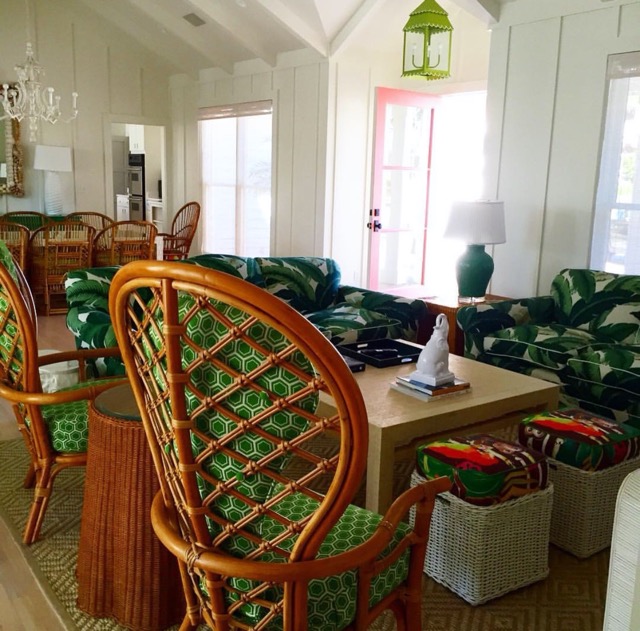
<point x="416" y="388"/>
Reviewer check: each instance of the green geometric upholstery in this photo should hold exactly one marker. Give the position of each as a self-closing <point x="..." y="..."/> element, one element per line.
<point x="580" y="439"/>
<point x="311" y="285"/>
<point x="584" y="336"/>
<point x="356" y="524"/>
<point x="68" y="427"/>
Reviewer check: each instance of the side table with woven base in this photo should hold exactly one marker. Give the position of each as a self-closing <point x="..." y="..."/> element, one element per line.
<point x="123" y="572"/>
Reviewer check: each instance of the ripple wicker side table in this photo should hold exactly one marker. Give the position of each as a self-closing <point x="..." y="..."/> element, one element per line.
<point x="123" y="572"/>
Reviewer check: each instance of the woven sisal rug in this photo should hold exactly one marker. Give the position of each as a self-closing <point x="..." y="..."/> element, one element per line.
<point x="570" y="599"/>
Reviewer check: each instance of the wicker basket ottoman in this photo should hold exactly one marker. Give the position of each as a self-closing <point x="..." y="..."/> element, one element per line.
<point x="584" y="498"/>
<point x="490" y="534"/>
<point x="482" y="552"/>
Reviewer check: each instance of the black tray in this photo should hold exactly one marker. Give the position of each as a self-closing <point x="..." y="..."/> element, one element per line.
<point x="383" y="352"/>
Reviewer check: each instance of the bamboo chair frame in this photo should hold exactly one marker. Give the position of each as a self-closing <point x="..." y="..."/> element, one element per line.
<point x="123" y="242"/>
<point x="99" y="221"/>
<point x="177" y="243"/>
<point x="54" y="250"/>
<point x="31" y="219"/>
<point x="16" y="238"/>
<point x="20" y="385"/>
<point x="152" y="323"/>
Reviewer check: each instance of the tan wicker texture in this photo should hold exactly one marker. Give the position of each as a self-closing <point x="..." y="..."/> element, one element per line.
<point x="20" y="384"/>
<point x="16" y="237"/>
<point x="31" y="219"/>
<point x="584" y="505"/>
<point x="177" y="243"/>
<point x="54" y="250"/>
<point x="124" y="572"/>
<point x="482" y="552"/>
<point x="98" y="220"/>
<point x="123" y="242"/>
<point x="228" y="380"/>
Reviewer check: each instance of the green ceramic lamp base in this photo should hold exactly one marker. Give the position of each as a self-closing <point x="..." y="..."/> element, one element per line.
<point x="473" y="273"/>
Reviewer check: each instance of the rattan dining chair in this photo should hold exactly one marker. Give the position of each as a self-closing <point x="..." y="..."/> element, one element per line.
<point x="177" y="243"/>
<point x="16" y="237"/>
<point x="53" y="425"/>
<point x="54" y="250"/>
<point x="123" y="242"/>
<point x="30" y="219"/>
<point x="98" y="220"/>
<point x="259" y="435"/>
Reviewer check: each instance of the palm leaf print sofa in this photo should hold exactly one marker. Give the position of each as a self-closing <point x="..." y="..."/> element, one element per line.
<point x="585" y="336"/>
<point x="309" y="284"/>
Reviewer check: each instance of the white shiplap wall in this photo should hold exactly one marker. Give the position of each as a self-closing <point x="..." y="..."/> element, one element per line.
<point x="546" y="100"/>
<point x="115" y="77"/>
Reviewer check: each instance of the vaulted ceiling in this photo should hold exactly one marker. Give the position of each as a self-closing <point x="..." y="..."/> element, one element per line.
<point x="195" y="34"/>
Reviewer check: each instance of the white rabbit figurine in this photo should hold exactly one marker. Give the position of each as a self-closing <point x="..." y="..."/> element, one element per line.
<point x="433" y="362"/>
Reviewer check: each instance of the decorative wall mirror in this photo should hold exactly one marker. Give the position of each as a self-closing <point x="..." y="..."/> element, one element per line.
<point x="11" y="161"/>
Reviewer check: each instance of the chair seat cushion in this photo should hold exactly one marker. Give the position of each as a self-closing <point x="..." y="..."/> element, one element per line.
<point x="549" y="346"/>
<point x="347" y="324"/>
<point x="67" y="423"/>
<point x="332" y="600"/>
<point x="580" y="439"/>
<point x="484" y="470"/>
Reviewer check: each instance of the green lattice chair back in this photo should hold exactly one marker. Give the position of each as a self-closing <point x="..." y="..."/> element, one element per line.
<point x="259" y="434"/>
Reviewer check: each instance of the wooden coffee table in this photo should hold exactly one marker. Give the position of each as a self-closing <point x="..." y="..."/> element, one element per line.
<point x="397" y="421"/>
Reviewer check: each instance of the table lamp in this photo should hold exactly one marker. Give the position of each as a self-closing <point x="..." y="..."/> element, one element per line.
<point x="53" y="161"/>
<point x="478" y="224"/>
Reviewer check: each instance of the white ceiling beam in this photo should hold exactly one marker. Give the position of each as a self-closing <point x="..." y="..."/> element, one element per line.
<point x="296" y="26"/>
<point x="487" y="11"/>
<point x="352" y="24"/>
<point x="239" y="29"/>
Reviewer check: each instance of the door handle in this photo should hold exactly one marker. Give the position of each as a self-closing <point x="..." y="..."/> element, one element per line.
<point x="375" y="225"/>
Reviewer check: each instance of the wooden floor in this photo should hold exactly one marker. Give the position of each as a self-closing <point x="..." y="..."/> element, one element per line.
<point x="23" y="606"/>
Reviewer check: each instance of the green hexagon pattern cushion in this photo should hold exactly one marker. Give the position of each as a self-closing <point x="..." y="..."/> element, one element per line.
<point x="67" y="423"/>
<point x="331" y="604"/>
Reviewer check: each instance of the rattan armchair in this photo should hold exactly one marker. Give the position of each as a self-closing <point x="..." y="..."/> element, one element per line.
<point x="98" y="220"/>
<point x="53" y="425"/>
<point x="30" y="219"/>
<point x="16" y="237"/>
<point x="259" y="434"/>
<point x="123" y="242"/>
<point x="177" y="243"/>
<point x="54" y="250"/>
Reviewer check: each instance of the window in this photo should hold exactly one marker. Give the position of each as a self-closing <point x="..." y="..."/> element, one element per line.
<point x="235" y="146"/>
<point x="615" y="245"/>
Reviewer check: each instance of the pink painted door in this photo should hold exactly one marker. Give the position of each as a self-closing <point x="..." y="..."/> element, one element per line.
<point x="400" y="188"/>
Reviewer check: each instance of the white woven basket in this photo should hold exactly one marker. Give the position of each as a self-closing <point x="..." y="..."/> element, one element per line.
<point x="584" y="505"/>
<point x="482" y="552"/>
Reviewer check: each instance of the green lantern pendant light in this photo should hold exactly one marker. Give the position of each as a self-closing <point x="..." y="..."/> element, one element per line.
<point x="427" y="43"/>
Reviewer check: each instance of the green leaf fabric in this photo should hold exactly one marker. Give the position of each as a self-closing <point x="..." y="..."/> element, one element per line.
<point x="546" y="346"/>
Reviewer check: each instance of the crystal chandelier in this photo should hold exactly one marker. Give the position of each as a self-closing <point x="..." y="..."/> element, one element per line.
<point x="27" y="98"/>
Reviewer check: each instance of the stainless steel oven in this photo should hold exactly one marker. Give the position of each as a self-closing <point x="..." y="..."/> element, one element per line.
<point x="136" y="181"/>
<point x="136" y="207"/>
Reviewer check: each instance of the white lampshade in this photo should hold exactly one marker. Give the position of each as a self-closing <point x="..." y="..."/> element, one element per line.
<point x="479" y="222"/>
<point x="49" y="158"/>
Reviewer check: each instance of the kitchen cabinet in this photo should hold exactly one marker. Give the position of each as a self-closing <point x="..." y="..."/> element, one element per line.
<point x="136" y="138"/>
<point x="122" y="207"/>
<point x="155" y="212"/>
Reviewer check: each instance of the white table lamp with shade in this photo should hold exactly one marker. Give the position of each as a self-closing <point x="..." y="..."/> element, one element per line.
<point x="477" y="223"/>
<point x="53" y="161"/>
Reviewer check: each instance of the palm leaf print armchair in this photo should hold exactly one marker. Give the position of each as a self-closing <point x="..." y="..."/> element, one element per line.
<point x="242" y="399"/>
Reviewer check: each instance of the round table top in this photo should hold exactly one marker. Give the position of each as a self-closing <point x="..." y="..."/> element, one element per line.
<point x="119" y="403"/>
